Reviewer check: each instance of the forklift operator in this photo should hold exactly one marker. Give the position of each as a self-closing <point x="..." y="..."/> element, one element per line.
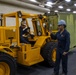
<point x="23" y="31"/>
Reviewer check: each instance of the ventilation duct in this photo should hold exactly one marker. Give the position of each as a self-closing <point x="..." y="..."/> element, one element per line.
<point x="25" y="5"/>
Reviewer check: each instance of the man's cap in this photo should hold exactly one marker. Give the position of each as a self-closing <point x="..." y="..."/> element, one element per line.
<point x="61" y="22"/>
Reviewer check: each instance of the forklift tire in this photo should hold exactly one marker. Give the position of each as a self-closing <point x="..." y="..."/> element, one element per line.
<point x="7" y="64"/>
<point x="48" y="52"/>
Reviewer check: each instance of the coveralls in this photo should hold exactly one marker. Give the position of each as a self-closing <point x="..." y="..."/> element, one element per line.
<point x="63" y="46"/>
<point x="22" y="32"/>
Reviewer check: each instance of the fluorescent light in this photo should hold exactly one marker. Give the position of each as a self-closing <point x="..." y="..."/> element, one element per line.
<point x="56" y="11"/>
<point x="74" y="11"/>
<point x="49" y="12"/>
<point x="33" y="0"/>
<point x="48" y="5"/>
<point x="68" y="9"/>
<point x="68" y="0"/>
<point x="61" y="7"/>
<point x="74" y="4"/>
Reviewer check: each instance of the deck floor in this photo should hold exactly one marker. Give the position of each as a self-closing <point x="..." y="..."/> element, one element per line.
<point x="42" y="69"/>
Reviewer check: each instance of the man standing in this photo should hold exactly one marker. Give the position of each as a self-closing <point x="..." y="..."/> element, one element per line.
<point x="63" y="38"/>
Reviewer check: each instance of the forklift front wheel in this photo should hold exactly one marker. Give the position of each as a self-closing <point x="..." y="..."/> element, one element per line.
<point x="7" y="64"/>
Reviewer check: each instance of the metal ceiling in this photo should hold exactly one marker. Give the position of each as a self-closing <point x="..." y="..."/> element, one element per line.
<point x="66" y="5"/>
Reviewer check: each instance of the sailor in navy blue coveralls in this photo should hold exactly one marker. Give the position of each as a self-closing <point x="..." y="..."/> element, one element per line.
<point x="23" y="30"/>
<point x="63" y="38"/>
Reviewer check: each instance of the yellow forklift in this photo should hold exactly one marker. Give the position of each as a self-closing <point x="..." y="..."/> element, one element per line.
<point x="41" y="47"/>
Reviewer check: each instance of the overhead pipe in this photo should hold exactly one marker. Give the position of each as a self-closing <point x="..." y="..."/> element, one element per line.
<point x="25" y="5"/>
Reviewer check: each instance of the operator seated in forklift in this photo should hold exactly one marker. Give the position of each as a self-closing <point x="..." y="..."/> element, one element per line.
<point x="24" y="31"/>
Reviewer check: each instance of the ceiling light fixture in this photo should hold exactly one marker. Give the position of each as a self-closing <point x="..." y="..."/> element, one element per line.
<point x="68" y="0"/>
<point x="49" y="12"/>
<point x="68" y="9"/>
<point x="56" y="11"/>
<point x="48" y="5"/>
<point x="61" y="7"/>
<point x="74" y="11"/>
<point x="33" y="0"/>
<point x="74" y="4"/>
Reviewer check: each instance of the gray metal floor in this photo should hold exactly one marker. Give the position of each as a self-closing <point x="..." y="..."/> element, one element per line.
<point x="42" y="69"/>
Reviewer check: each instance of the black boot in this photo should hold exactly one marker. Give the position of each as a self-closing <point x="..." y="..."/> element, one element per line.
<point x="63" y="74"/>
<point x="55" y="74"/>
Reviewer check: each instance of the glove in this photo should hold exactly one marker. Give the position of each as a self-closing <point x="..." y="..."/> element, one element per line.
<point x="28" y="27"/>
